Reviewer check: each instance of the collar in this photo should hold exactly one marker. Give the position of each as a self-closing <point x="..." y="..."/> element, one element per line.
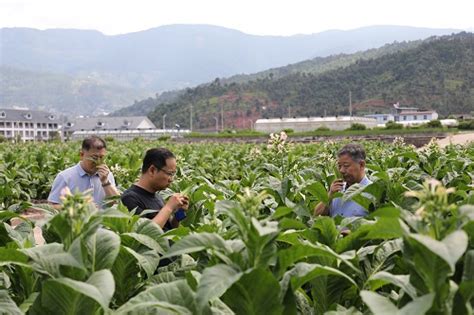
<point x="365" y="181"/>
<point x="82" y="172"/>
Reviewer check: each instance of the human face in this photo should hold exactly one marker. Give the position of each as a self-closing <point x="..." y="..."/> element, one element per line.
<point x="89" y="156"/>
<point x="164" y="176"/>
<point x="352" y="172"/>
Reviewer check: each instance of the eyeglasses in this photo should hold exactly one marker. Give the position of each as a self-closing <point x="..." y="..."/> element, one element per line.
<point x="170" y="174"/>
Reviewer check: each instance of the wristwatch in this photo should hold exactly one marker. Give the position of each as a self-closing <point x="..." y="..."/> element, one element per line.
<point x="107" y="183"/>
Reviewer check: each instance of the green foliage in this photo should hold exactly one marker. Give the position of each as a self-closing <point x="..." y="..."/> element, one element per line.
<point x="436" y="73"/>
<point x="391" y="125"/>
<point x="323" y="129"/>
<point x="58" y="92"/>
<point x="357" y="126"/>
<point x="466" y="125"/>
<point x="434" y="124"/>
<point x="250" y="244"/>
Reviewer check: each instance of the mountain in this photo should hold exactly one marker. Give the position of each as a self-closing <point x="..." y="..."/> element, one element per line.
<point x="435" y="74"/>
<point x="177" y="56"/>
<point x="85" y="72"/>
<point x="316" y="65"/>
<point x="64" y="94"/>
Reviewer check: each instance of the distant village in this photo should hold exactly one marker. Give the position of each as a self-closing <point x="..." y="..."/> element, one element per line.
<point x="33" y="125"/>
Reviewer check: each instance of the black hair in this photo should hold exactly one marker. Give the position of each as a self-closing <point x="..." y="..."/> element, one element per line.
<point x="93" y="142"/>
<point x="156" y="157"/>
<point x="354" y="150"/>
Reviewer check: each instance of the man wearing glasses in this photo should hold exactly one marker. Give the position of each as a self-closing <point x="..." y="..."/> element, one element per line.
<point x="158" y="171"/>
<point x="91" y="174"/>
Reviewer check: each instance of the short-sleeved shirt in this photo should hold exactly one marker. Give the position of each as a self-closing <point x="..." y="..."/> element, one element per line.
<point x="140" y="199"/>
<point x="76" y="179"/>
<point x="348" y="208"/>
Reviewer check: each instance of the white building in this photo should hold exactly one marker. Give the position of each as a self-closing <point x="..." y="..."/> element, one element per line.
<point x="28" y="125"/>
<point x="405" y="116"/>
<point x="127" y="134"/>
<point x="312" y="123"/>
<point x="110" y="125"/>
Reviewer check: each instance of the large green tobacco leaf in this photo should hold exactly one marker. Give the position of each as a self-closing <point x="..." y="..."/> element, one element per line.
<point x="260" y="243"/>
<point x="304" y="272"/>
<point x="67" y="296"/>
<point x="167" y="298"/>
<point x="198" y="242"/>
<point x="385" y="228"/>
<point x="318" y="190"/>
<point x="49" y="258"/>
<point x="376" y="258"/>
<point x="25" y="306"/>
<point x="119" y="220"/>
<point x="462" y="300"/>
<point x="328" y="232"/>
<point x="432" y="262"/>
<point x="7" y="305"/>
<point x="233" y="210"/>
<point x="152" y="230"/>
<point x="305" y="249"/>
<point x="126" y="273"/>
<point x="383" y="278"/>
<point x="450" y="249"/>
<point x="148" y="260"/>
<point x="135" y="240"/>
<point x="381" y="305"/>
<point x="12" y="256"/>
<point x="103" y="247"/>
<point x="215" y="281"/>
<point x="255" y="293"/>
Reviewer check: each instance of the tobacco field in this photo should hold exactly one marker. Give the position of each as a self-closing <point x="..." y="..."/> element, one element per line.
<point x="250" y="244"/>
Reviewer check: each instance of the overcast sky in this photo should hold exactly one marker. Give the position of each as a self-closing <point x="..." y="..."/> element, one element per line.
<point x="259" y="17"/>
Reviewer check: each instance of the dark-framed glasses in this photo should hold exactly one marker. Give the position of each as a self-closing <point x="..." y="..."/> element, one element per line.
<point x="170" y="174"/>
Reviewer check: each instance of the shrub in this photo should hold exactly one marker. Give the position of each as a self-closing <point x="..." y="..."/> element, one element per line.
<point x="466" y="125"/>
<point x="434" y="124"/>
<point x="164" y="138"/>
<point x="109" y="139"/>
<point x="323" y="128"/>
<point x="393" y="125"/>
<point x="357" y="126"/>
<point x="288" y="130"/>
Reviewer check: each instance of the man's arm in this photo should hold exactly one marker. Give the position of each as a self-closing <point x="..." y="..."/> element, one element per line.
<point x="107" y="180"/>
<point x="321" y="209"/>
<point x="56" y="188"/>
<point x="175" y="202"/>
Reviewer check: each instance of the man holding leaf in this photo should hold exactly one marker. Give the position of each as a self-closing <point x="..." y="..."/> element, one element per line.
<point x="351" y="165"/>
<point x="158" y="172"/>
<point x="90" y="174"/>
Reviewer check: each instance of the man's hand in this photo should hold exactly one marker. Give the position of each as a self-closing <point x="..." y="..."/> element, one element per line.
<point x="336" y="186"/>
<point x="177" y="201"/>
<point x="103" y="172"/>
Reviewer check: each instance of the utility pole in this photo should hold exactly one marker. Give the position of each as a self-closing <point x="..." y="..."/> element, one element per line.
<point x="289" y="111"/>
<point x="217" y="124"/>
<point x="222" y="116"/>
<point x="191" y="117"/>
<point x="164" y="121"/>
<point x="350" y="103"/>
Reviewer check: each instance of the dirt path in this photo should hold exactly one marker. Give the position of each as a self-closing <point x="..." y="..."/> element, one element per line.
<point x="462" y="138"/>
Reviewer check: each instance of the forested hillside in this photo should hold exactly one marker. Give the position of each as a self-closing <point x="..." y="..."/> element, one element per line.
<point x="437" y="74"/>
<point x="62" y="93"/>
